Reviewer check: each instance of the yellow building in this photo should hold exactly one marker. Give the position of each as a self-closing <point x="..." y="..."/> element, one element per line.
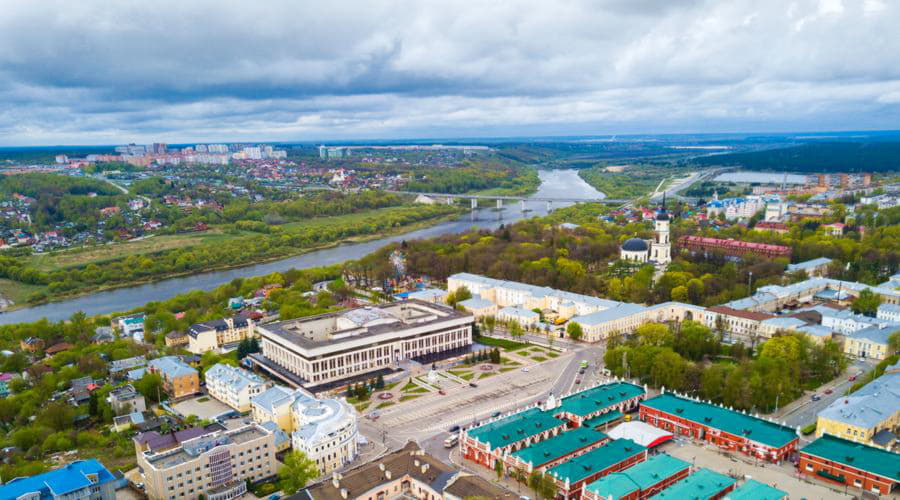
<point x="870" y="343"/>
<point x="212" y="335"/>
<point x="870" y="415"/>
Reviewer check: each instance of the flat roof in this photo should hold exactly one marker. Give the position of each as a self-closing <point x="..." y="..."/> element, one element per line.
<point x="639" y="477"/>
<point x="599" y="397"/>
<point x="730" y="421"/>
<point x="755" y="490"/>
<point x="517" y="427"/>
<point x="856" y="455"/>
<point x="559" y="446"/>
<point x="700" y="485"/>
<point x="612" y="453"/>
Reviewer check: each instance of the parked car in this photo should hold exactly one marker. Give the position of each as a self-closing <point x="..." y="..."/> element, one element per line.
<point x="453" y="429"/>
<point x="525" y="369"/>
<point x="495" y="414"/>
<point x="828" y="391"/>
<point x="816" y="397"/>
<point x="577" y="380"/>
<point x="853" y="377"/>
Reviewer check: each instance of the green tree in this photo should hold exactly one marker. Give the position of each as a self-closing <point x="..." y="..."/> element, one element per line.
<point x="298" y="470"/>
<point x="515" y="329"/>
<point x="151" y="386"/>
<point x="867" y="303"/>
<point x="574" y="331"/>
<point x="655" y="334"/>
<point x="680" y="294"/>
<point x="379" y="382"/>
<point x="498" y="468"/>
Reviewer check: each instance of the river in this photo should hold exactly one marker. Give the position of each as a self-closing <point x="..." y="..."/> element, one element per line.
<point x="554" y="184"/>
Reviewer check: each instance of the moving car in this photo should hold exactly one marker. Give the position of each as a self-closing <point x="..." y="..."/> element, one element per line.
<point x="453" y="429"/>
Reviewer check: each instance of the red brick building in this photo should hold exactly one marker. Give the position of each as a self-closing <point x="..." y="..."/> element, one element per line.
<point x="734" y="248"/>
<point x="728" y="429"/>
<point x="844" y="462"/>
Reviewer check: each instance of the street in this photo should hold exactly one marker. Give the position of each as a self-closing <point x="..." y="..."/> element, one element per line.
<point x="804" y="410"/>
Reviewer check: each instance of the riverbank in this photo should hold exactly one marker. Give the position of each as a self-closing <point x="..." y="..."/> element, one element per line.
<point x="15" y="290"/>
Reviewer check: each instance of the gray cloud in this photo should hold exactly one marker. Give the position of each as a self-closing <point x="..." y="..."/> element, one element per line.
<point x="108" y="72"/>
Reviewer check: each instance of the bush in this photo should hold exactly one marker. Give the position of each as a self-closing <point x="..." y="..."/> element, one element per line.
<point x="809" y="429"/>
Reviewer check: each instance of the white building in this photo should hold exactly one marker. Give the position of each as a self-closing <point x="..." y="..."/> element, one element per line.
<point x="658" y="250"/>
<point x="234" y="386"/>
<point x="522" y="316"/>
<point x="889" y="312"/>
<point x="335" y="346"/>
<point x="324" y="429"/>
<point x="735" y="208"/>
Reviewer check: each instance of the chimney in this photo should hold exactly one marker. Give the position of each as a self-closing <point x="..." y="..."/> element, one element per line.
<point x="387" y="475"/>
<point x="344" y="493"/>
<point x="416" y="462"/>
<point x="381" y="467"/>
<point x="424" y="468"/>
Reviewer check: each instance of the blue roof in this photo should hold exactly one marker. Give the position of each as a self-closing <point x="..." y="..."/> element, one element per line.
<point x="876" y="334"/>
<point x="68" y="479"/>
<point x="171" y="366"/>
<point x="475" y="303"/>
<point x="809" y="264"/>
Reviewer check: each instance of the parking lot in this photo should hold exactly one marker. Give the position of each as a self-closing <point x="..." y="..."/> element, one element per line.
<point x="782" y="476"/>
<point x="204" y="406"/>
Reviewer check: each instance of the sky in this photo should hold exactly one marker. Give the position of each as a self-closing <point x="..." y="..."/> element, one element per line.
<point x="110" y="72"/>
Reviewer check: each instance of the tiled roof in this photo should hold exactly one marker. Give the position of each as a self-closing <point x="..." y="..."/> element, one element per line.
<point x="730" y="421"/>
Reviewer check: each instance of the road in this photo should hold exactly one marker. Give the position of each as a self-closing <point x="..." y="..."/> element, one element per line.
<point x="804" y="410"/>
<point x="427" y="420"/>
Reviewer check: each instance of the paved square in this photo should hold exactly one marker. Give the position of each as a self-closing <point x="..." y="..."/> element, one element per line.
<point x="204" y="407"/>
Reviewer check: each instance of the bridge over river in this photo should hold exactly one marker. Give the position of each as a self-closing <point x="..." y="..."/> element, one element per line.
<point x="500" y="199"/>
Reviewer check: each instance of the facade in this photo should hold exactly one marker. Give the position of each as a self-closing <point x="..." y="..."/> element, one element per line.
<point x="813" y="268"/>
<point x="658" y="250"/>
<point x="324" y="429"/>
<point x="213" y="335"/>
<point x="774" y="297"/>
<point x="844" y="462"/>
<point x="177" y="339"/>
<point x="84" y="479"/>
<point x="725" y="428"/>
<point x="479" y="307"/>
<point x="871" y="342"/>
<point x="889" y="312"/>
<point x="179" y="379"/>
<point x="743" y="324"/>
<point x="332" y="347"/>
<point x="734" y="248"/>
<point x="215" y="464"/>
<point x="126" y="399"/>
<point x="870" y="415"/>
<point x="520" y="315"/>
<point x="624" y="318"/>
<point x="641" y="481"/>
<point x="734" y="208"/>
<point x="775" y="227"/>
<point x="234" y="386"/>
<point x="615" y="456"/>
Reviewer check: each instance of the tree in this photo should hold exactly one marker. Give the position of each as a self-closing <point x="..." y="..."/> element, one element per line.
<point x="498" y="468"/>
<point x="542" y="484"/>
<point x="460" y="294"/>
<point x="655" y="334"/>
<point x="490" y="323"/>
<point x="151" y="386"/>
<point x="867" y="303"/>
<point x="297" y="471"/>
<point x="379" y="382"/>
<point x="680" y="294"/>
<point x="515" y="329"/>
<point x="894" y="343"/>
<point x="574" y="331"/>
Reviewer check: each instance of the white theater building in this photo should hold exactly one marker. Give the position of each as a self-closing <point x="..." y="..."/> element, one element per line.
<point x="336" y="346"/>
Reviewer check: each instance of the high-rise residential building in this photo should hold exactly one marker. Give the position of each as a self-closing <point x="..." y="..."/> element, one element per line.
<point x="216" y="465"/>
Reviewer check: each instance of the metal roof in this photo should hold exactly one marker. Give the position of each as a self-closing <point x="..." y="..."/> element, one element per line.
<point x="639" y="477"/>
<point x="594" y="461"/>
<point x="856" y="455"/>
<point x="869" y="406"/>
<point x="730" y="421"/>
<point x="559" y="446"/>
<point x="700" y="485"/>
<point x="599" y="398"/>
<point x="514" y="428"/>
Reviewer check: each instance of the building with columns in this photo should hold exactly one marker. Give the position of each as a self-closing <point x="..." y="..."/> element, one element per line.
<point x="657" y="251"/>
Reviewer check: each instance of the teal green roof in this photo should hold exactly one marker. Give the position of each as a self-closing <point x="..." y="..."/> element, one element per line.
<point x="580" y="467"/>
<point x="597" y="398"/>
<point x="559" y="446"/>
<point x="602" y="419"/>
<point x="514" y="428"/>
<point x="730" y="421"/>
<point x="700" y="485"/>
<point x="639" y="477"/>
<point x="755" y="490"/>
<point x="859" y="456"/>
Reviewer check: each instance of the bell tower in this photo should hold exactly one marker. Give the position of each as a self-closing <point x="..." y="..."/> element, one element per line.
<point x="661" y="249"/>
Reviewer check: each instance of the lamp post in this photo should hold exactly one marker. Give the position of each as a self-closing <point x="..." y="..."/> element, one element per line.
<point x="750" y="283"/>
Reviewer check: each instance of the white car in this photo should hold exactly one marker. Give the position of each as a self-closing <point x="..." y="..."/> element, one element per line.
<point x="525" y="369"/>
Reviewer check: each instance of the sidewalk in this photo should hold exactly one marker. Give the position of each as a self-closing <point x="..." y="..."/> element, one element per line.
<point x="505" y="482"/>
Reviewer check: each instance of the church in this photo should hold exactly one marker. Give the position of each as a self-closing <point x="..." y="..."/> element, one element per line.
<point x="658" y="250"/>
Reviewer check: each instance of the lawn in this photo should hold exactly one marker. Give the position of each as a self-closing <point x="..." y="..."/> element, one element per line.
<point x="409" y="396"/>
<point x="360" y="407"/>
<point x="17" y="292"/>
<point x="486" y="375"/>
<point x="467" y="376"/>
<point x="507" y="369"/>
<point x="203" y="399"/>
<point x="506" y="345"/>
<point x="408" y="387"/>
<point x="539" y="358"/>
<point x="458" y="373"/>
<point x="553" y="354"/>
<point x="417" y="390"/>
<point x="385" y="404"/>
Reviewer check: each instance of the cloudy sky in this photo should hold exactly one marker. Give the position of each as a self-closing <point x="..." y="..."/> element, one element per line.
<point x="92" y="72"/>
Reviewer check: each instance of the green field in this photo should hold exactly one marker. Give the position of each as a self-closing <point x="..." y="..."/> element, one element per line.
<point x="17" y="292"/>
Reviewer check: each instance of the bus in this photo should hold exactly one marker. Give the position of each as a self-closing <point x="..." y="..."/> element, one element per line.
<point x="451" y="441"/>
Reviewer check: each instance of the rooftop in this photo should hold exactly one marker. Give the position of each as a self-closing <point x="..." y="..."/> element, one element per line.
<point x="171" y="366"/>
<point x="192" y="448"/>
<point x="869" y="406"/>
<point x="599" y="397"/>
<point x="58" y="482"/>
<point x="476" y="303"/>
<point x="809" y="264"/>
<point x="619" y="311"/>
<point x="730" y="421"/>
<point x="751" y="315"/>
<point x="597" y="460"/>
<point x="236" y="378"/>
<point x="602" y="419"/>
<point x="755" y="490"/>
<point x="513" y="428"/>
<point x="350" y="325"/>
<point x="877" y="334"/>
<point x="856" y="455"/>
<point x="559" y="446"/>
<point x="702" y="484"/>
<point x="638" y="477"/>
